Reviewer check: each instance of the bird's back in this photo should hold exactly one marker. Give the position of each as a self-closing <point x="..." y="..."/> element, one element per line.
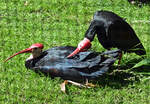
<point x="106" y="16"/>
<point x="114" y="31"/>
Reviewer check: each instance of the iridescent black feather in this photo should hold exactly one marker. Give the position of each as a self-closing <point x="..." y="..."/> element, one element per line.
<point x="90" y="65"/>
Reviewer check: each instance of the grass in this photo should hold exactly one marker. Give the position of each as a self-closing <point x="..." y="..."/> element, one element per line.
<point x="59" y="23"/>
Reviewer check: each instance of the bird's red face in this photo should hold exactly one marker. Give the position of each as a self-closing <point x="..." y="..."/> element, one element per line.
<point x="82" y="46"/>
<point x="34" y="49"/>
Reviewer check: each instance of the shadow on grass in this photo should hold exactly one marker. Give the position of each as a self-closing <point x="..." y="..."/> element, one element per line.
<point x="144" y="68"/>
<point x="122" y="78"/>
<point x="117" y="79"/>
<point x="129" y="64"/>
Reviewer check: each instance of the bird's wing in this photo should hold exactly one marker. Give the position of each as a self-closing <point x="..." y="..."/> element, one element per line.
<point x="102" y="68"/>
<point x="75" y="69"/>
<point x="101" y="64"/>
<point x="122" y="35"/>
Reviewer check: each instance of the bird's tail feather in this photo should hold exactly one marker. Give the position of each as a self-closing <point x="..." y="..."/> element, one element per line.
<point x="104" y="67"/>
<point x="138" y="49"/>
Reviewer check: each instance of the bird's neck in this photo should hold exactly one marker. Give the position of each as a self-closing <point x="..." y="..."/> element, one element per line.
<point x="33" y="56"/>
<point x="30" y="57"/>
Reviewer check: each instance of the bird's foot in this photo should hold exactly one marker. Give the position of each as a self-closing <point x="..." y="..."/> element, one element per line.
<point x="63" y="86"/>
<point x="90" y="85"/>
<point x="87" y="85"/>
<point x="76" y="83"/>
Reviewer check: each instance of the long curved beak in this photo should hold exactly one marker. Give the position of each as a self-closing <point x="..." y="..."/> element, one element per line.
<point x="74" y="52"/>
<point x="86" y="44"/>
<point x="27" y="50"/>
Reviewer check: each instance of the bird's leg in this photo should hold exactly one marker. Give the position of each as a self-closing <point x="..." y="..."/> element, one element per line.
<point x="120" y="57"/>
<point x="63" y="86"/>
<point x="76" y="83"/>
<point x="86" y="81"/>
<point x="86" y="85"/>
<point x="89" y="85"/>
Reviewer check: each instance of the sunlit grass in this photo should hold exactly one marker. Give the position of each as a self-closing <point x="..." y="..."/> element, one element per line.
<point x="60" y="23"/>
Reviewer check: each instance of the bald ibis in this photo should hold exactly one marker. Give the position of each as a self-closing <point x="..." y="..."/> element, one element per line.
<point x="112" y="31"/>
<point x="54" y="62"/>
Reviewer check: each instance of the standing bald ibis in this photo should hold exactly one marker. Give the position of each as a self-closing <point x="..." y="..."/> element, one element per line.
<point x="112" y="31"/>
<point x="53" y="62"/>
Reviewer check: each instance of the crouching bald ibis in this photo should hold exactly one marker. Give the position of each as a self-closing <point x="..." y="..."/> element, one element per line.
<point x="112" y="32"/>
<point x="54" y="62"/>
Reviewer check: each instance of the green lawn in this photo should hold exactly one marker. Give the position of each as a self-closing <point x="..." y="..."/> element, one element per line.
<point x="64" y="22"/>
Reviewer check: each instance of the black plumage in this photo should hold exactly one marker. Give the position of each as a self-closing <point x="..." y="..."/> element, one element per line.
<point x="90" y="65"/>
<point x="114" y="31"/>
